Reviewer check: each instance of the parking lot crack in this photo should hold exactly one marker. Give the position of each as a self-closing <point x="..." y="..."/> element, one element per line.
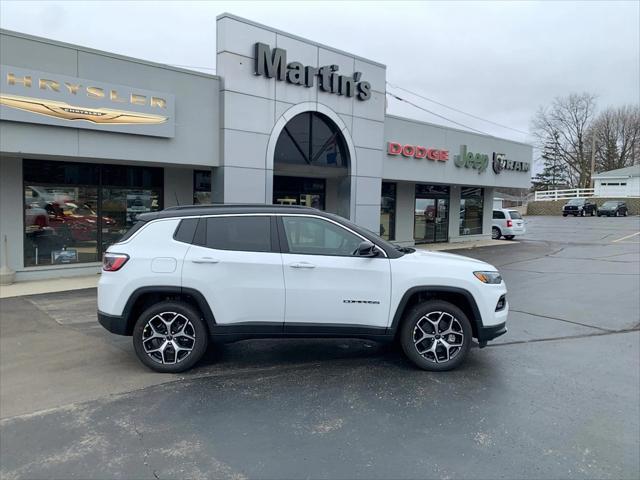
<point x="567" y="337"/>
<point x="565" y="321"/>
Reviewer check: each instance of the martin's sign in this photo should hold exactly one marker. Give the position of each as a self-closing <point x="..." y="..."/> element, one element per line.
<point x="273" y="64"/>
<point x="37" y="97"/>
<point x="417" y="151"/>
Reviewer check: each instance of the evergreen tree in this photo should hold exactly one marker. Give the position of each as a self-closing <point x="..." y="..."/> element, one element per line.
<point x="553" y="175"/>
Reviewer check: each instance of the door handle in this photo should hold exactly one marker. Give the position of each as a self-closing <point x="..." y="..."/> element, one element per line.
<point x="302" y="265"/>
<point x="205" y="260"/>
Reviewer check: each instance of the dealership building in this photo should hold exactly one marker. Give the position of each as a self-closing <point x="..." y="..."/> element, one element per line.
<point x="89" y="139"/>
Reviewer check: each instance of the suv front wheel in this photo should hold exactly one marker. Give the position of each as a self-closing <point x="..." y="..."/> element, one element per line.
<point x="436" y="335"/>
<point x="170" y="337"/>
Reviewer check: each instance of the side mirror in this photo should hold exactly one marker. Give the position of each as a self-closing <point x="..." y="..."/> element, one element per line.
<point x="366" y="249"/>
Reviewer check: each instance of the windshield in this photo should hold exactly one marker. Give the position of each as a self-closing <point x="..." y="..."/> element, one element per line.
<point x="610" y="204"/>
<point x="576" y="201"/>
<point x="515" y="215"/>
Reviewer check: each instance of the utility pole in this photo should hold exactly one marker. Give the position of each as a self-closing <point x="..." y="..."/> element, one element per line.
<point x="593" y="158"/>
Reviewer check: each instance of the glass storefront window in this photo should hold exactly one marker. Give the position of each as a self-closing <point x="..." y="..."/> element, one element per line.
<point x="431" y="214"/>
<point x="120" y="207"/>
<point x="309" y="192"/>
<point x="388" y="211"/>
<point x="60" y="225"/>
<point x="201" y="187"/>
<point x="471" y="210"/>
<point x="74" y="211"/>
<point x="312" y="139"/>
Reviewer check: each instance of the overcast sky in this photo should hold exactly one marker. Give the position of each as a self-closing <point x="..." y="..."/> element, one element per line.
<point x="496" y="60"/>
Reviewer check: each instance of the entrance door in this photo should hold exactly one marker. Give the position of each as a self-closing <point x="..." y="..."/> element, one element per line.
<point x="309" y="192"/>
<point x="431" y="214"/>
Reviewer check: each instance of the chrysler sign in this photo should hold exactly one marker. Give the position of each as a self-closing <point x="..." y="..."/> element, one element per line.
<point x="38" y="97"/>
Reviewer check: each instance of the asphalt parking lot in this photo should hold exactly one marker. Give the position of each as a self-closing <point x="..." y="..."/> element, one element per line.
<point x="557" y="397"/>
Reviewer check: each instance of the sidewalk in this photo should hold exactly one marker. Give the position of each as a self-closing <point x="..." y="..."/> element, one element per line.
<point x="48" y="286"/>
<point x="463" y="245"/>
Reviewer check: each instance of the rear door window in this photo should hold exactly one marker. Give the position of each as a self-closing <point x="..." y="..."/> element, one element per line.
<point x="497" y="214"/>
<point x="242" y="233"/>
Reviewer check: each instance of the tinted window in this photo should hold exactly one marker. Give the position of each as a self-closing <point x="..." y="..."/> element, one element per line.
<point x="247" y="234"/>
<point x="515" y="215"/>
<point x="498" y="214"/>
<point x="314" y="236"/>
<point x="186" y="230"/>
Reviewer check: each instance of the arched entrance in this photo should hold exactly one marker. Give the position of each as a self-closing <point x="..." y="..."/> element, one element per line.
<point x="312" y="164"/>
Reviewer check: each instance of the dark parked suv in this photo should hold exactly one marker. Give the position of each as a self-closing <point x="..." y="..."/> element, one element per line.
<point x="615" y="208"/>
<point x="579" y="206"/>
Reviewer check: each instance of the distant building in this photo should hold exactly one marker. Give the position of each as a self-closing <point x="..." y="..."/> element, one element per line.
<point x="623" y="182"/>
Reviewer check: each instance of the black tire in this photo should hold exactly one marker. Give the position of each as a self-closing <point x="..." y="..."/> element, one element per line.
<point x="409" y="330"/>
<point x="599" y="214"/>
<point x="575" y="214"/>
<point x="495" y="233"/>
<point x="509" y="237"/>
<point x="564" y="214"/>
<point x="198" y="331"/>
<point x="625" y="213"/>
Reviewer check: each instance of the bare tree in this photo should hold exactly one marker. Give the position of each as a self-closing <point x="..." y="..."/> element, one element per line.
<point x="617" y="132"/>
<point x="570" y="118"/>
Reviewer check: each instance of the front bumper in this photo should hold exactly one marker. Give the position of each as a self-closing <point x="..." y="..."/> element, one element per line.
<point x="113" y="323"/>
<point x="486" y="334"/>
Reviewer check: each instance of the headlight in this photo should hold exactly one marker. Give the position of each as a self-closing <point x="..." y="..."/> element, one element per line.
<point x="489" y="277"/>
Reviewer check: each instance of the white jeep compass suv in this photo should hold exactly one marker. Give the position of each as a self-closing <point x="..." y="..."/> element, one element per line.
<point x="186" y="276"/>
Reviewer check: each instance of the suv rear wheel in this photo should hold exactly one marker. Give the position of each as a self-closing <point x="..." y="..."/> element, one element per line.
<point x="170" y="337"/>
<point x="436" y="335"/>
<point x="495" y="233"/>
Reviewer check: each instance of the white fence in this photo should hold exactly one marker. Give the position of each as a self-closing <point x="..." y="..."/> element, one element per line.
<point x="564" y="194"/>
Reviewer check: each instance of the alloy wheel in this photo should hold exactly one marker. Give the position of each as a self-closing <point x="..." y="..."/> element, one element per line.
<point x="438" y="337"/>
<point x="168" y="338"/>
<point x="495" y="233"/>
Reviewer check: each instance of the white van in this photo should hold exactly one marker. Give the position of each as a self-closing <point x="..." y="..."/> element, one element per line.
<point x="506" y="223"/>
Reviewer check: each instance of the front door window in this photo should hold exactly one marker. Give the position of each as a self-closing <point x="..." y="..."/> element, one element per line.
<point x="314" y="236"/>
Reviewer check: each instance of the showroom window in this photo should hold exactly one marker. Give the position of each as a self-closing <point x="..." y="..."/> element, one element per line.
<point x="471" y="208"/>
<point x="388" y="211"/>
<point x="202" y="187"/>
<point x="431" y="214"/>
<point x="74" y="211"/>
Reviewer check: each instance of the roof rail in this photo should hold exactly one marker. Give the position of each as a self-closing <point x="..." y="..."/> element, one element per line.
<point x="227" y="205"/>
